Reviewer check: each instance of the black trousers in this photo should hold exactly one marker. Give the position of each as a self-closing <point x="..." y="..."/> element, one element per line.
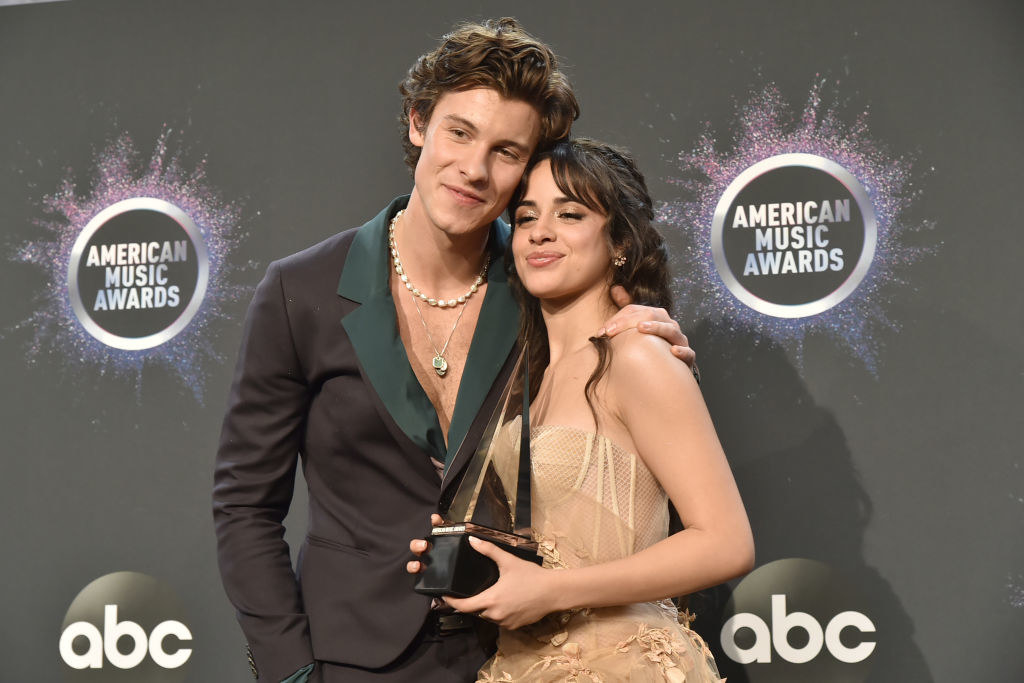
<point x="434" y="656"/>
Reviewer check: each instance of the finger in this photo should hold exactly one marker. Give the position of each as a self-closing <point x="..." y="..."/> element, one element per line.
<point x="436" y="520"/>
<point x="622" y="320"/>
<point x="620" y="296"/>
<point x="633" y="315"/>
<point x="464" y="605"/>
<point x="413" y="567"/>
<point x="418" y="546"/>
<point x="669" y="331"/>
<point x="487" y="549"/>
<point x="685" y="354"/>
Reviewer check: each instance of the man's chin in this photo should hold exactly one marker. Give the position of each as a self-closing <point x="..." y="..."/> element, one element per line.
<point x="469" y="224"/>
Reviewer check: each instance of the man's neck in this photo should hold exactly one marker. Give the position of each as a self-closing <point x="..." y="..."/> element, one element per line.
<point x="441" y="264"/>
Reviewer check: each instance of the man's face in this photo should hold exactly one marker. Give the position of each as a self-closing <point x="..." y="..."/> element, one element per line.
<point x="474" y="150"/>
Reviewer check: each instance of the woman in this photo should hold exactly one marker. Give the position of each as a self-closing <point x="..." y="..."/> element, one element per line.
<point x="619" y="426"/>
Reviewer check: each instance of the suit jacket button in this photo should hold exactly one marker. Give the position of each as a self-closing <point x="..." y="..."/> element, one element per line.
<point x="252" y="662"/>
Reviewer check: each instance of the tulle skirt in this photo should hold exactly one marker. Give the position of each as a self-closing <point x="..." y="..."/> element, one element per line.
<point x="637" y="643"/>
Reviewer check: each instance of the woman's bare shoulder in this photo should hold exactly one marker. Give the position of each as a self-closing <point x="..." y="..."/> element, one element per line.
<point x="644" y="362"/>
<point x="634" y="348"/>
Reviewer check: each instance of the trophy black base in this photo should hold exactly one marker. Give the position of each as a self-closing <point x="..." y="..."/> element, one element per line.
<point x="453" y="567"/>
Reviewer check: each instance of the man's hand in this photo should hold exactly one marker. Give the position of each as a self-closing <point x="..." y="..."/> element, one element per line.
<point x="418" y="546"/>
<point x="649" y="320"/>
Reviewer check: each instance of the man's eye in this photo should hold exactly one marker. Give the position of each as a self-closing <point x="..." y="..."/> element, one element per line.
<point x="508" y="153"/>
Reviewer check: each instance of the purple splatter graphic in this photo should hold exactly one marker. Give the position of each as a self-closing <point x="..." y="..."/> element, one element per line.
<point x="121" y="174"/>
<point x="1015" y="586"/>
<point x="766" y="127"/>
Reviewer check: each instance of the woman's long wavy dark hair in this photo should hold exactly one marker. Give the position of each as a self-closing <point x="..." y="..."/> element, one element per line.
<point x="603" y="178"/>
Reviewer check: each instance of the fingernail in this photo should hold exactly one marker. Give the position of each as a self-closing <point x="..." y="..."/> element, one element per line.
<point x="646" y="326"/>
<point x="611" y="328"/>
<point x="601" y="332"/>
<point x="473" y="540"/>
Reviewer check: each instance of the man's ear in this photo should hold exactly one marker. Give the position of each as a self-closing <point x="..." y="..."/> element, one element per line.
<point x="415" y="125"/>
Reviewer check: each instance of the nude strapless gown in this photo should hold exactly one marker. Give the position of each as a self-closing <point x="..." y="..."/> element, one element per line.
<point x="594" y="502"/>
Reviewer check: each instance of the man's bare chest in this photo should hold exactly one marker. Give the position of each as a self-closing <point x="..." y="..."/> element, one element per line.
<point x="437" y="342"/>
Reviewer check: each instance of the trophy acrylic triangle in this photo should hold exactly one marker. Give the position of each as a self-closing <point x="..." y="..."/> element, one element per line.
<point x="492" y="501"/>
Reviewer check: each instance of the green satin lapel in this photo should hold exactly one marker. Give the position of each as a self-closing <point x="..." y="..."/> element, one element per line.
<point x="373" y="331"/>
<point x="493" y="339"/>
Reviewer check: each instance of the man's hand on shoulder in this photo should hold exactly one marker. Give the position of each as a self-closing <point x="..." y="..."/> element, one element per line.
<point x="649" y="320"/>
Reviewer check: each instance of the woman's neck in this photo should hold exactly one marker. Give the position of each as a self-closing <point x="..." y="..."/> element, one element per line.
<point x="571" y="324"/>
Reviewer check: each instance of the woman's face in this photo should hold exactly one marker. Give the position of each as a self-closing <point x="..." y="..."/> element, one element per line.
<point x="560" y="246"/>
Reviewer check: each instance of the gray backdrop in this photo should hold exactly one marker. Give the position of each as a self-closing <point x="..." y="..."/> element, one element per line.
<point x="908" y="480"/>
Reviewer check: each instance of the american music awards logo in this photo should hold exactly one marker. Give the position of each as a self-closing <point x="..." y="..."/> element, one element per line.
<point x="136" y="267"/>
<point x="798" y="228"/>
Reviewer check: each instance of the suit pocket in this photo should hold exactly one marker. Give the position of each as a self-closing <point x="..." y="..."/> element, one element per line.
<point x="321" y="542"/>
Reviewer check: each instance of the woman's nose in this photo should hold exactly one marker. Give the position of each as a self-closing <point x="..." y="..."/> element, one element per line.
<point x="541" y="231"/>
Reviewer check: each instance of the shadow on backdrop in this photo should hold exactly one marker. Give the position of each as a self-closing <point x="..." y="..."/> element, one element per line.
<point x="802" y="493"/>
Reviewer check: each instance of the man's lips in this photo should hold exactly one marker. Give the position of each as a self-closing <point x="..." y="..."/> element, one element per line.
<point x="539" y="259"/>
<point x="464" y="196"/>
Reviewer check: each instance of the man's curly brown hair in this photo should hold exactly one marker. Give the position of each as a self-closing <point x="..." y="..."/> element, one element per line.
<point x="496" y="54"/>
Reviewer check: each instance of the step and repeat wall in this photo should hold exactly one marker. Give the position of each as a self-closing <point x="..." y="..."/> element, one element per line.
<point x="837" y="183"/>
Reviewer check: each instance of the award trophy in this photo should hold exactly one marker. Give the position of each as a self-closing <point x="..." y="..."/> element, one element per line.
<point x="492" y="503"/>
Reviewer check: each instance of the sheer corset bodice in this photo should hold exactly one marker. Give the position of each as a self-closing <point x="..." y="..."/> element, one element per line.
<point x="592" y="499"/>
<point x="592" y="502"/>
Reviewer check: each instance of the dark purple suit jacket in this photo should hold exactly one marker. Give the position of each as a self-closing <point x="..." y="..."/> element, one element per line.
<point x="323" y="379"/>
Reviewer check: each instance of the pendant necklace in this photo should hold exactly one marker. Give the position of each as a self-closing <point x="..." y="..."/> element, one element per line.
<point x="439" y="362"/>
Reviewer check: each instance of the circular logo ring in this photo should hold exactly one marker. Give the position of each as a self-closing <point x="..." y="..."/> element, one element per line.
<point x="841" y="175"/>
<point x="182" y="321"/>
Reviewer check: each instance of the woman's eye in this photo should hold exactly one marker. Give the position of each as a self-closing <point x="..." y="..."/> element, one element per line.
<point x="524" y="219"/>
<point x="571" y="215"/>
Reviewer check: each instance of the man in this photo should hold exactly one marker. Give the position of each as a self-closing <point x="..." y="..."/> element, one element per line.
<point x="375" y="357"/>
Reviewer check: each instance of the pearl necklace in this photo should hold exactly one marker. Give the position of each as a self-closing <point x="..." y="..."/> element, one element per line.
<point x="439" y="362"/>
<point x="400" y="270"/>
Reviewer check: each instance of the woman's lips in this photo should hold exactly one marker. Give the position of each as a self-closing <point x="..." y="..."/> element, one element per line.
<point x="540" y="259"/>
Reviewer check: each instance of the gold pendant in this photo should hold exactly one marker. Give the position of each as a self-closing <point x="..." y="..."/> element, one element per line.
<point x="440" y="365"/>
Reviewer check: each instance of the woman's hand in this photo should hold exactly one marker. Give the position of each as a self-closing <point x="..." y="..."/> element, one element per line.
<point x="523" y="594"/>
<point x="649" y="320"/>
<point x="418" y="546"/>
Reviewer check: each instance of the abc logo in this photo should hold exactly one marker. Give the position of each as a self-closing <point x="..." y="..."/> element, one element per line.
<point x="125" y="626"/>
<point x="797" y="620"/>
<point x="783" y="623"/>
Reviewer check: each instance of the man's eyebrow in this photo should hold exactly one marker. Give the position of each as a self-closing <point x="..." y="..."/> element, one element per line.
<point x="471" y="127"/>
<point x="518" y="146"/>
<point x="460" y="121"/>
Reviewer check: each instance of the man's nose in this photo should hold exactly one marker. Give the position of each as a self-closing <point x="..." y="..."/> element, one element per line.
<point x="474" y="165"/>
